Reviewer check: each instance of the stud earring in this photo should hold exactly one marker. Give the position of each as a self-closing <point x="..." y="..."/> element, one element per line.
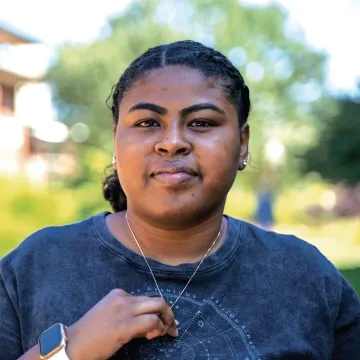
<point x="245" y="162"/>
<point x="113" y="160"/>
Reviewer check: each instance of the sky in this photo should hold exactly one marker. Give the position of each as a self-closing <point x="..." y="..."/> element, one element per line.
<point x="330" y="25"/>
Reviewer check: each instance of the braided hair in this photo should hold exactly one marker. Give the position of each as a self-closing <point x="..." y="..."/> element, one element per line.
<point x="191" y="54"/>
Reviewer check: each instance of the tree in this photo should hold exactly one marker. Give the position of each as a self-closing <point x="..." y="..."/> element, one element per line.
<point x="336" y="154"/>
<point x="284" y="75"/>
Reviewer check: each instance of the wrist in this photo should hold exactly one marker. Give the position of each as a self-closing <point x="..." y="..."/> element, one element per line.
<point x="72" y="349"/>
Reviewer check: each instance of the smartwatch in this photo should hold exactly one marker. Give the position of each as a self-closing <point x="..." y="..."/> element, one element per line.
<point x="52" y="343"/>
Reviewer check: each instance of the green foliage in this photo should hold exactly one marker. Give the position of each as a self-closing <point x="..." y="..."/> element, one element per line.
<point x="27" y="208"/>
<point x="336" y="154"/>
<point x="353" y="276"/>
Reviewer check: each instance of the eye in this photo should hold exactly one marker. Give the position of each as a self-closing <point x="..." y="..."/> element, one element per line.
<point x="201" y="123"/>
<point x="147" y="123"/>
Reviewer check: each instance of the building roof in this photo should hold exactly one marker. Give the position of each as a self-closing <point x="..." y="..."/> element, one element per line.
<point x="11" y="78"/>
<point x="11" y="35"/>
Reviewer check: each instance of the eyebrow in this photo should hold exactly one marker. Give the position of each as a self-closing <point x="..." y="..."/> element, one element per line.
<point x="149" y="106"/>
<point x="199" y="107"/>
<point x="184" y="112"/>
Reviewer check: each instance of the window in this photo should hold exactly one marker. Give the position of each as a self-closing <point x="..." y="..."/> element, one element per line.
<point x="8" y="95"/>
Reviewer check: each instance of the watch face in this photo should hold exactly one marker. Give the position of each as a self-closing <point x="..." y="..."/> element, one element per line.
<point x="50" y="339"/>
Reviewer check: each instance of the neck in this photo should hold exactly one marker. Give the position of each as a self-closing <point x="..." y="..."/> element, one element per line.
<point x="172" y="247"/>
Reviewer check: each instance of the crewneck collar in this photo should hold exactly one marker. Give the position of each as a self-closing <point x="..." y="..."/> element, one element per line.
<point x="214" y="262"/>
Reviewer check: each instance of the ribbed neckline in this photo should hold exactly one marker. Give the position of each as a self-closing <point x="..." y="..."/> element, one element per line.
<point x="214" y="262"/>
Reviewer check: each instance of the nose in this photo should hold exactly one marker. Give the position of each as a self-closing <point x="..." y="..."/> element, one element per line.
<point x="173" y="143"/>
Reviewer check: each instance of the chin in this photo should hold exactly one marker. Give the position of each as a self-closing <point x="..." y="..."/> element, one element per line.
<point x="181" y="211"/>
<point x="174" y="219"/>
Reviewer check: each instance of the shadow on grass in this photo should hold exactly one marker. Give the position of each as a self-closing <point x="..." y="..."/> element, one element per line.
<point x="353" y="276"/>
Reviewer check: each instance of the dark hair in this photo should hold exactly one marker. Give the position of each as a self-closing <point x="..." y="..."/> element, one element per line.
<point x="191" y="54"/>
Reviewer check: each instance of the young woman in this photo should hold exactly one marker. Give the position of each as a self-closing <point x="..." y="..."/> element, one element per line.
<point x="167" y="275"/>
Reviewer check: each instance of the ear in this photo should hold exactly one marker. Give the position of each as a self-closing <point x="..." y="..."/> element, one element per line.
<point x="114" y="162"/>
<point x="244" y="143"/>
<point x="114" y="157"/>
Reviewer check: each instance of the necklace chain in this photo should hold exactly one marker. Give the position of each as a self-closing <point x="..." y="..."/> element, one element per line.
<point x="152" y="274"/>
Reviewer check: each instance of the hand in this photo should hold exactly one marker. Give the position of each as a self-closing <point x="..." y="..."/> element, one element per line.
<point x="114" y="321"/>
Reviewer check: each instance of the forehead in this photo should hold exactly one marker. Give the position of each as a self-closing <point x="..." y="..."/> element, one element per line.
<point x="175" y="85"/>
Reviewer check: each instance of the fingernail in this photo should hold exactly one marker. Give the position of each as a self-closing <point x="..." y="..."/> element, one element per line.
<point x="177" y="332"/>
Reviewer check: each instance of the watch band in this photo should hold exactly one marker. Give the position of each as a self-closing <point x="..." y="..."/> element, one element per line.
<point x="61" y="355"/>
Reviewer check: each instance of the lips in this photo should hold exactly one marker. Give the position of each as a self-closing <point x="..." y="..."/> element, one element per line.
<point x="174" y="173"/>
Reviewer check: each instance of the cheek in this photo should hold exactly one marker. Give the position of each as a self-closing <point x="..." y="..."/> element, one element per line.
<point x="130" y="162"/>
<point x="219" y="161"/>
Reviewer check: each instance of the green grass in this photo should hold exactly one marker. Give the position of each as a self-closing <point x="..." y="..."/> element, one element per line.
<point x="353" y="276"/>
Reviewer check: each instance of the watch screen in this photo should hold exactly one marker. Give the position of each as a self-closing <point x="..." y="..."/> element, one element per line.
<point x="50" y="340"/>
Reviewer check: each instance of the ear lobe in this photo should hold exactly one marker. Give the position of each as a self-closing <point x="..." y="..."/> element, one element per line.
<point x="244" y="141"/>
<point x="244" y="157"/>
<point x="114" y="158"/>
<point x="243" y="162"/>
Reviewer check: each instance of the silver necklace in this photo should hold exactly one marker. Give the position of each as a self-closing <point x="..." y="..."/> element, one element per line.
<point x="152" y="274"/>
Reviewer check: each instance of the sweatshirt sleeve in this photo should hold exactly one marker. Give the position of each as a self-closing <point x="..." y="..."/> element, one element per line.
<point x="10" y="337"/>
<point x="347" y="325"/>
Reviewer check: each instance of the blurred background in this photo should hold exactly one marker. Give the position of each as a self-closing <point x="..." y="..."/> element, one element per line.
<point x="60" y="59"/>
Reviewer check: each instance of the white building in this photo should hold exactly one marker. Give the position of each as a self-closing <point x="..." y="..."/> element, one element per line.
<point x="32" y="143"/>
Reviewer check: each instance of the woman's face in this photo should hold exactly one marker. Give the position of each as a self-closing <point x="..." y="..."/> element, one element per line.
<point x="178" y="146"/>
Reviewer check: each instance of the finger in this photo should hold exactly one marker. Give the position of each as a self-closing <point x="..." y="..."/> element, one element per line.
<point x="155" y="306"/>
<point x="147" y="324"/>
<point x="153" y="334"/>
<point x="119" y="292"/>
<point x="172" y="330"/>
<point x="167" y="316"/>
<point x="142" y="298"/>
